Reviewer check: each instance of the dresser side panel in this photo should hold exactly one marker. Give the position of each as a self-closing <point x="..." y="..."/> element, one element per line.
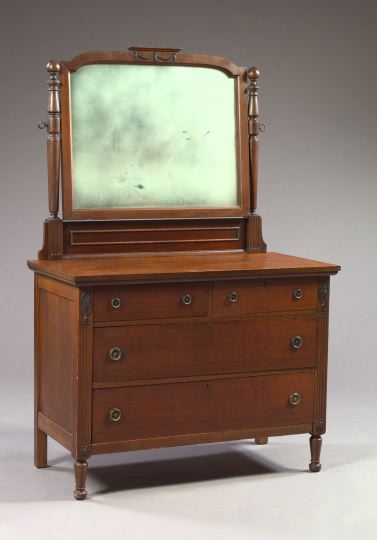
<point x="57" y="349"/>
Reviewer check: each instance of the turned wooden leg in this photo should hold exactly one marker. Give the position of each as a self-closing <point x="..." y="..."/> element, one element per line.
<point x="315" y="451"/>
<point x="80" y="492"/>
<point x="40" y="449"/>
<point x="261" y="440"/>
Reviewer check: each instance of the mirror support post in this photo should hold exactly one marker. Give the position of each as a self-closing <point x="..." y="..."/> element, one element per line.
<point x="53" y="227"/>
<point x="255" y="242"/>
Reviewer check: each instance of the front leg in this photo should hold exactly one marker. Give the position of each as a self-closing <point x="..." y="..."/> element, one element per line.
<point x="315" y="451"/>
<point x="81" y="468"/>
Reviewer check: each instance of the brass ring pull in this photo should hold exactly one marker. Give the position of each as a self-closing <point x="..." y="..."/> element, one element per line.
<point x="297" y="294"/>
<point x="115" y="303"/>
<point x="233" y="297"/>
<point x="186" y="299"/>
<point x="115" y="414"/>
<point x="115" y="353"/>
<point x="297" y="342"/>
<point x="294" y="399"/>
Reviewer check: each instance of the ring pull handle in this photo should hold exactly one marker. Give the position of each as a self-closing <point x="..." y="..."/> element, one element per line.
<point x="115" y="303"/>
<point x="233" y="297"/>
<point x="297" y="294"/>
<point x="115" y="354"/>
<point x="186" y="299"/>
<point x="115" y="414"/>
<point x="294" y="399"/>
<point x="297" y="342"/>
<point x="42" y="125"/>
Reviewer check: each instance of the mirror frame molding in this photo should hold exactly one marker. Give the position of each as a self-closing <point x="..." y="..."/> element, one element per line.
<point x="154" y="56"/>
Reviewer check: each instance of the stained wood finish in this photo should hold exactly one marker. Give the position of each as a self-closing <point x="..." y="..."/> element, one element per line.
<point x="40" y="437"/>
<point x="82" y="385"/>
<point x="88" y="238"/>
<point x="154" y="301"/>
<point x="261" y="440"/>
<point x="253" y="75"/>
<point x="264" y="295"/>
<point x="179" y="267"/>
<point x="40" y="448"/>
<point x="254" y="237"/>
<point x="59" y="434"/>
<point x="319" y="426"/>
<point x="127" y="57"/>
<point x="201" y="407"/>
<point x="56" y="350"/>
<point x="52" y="239"/>
<point x="81" y="468"/>
<point x="315" y="451"/>
<point x="197" y="438"/>
<point x="196" y="348"/>
<point x="53" y="139"/>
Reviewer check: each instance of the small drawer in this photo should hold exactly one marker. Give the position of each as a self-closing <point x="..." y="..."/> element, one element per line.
<point x="181" y="349"/>
<point x="162" y="410"/>
<point x="241" y="297"/>
<point x="154" y="301"/>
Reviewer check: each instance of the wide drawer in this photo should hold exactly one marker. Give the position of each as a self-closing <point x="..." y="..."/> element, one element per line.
<point x="156" y="301"/>
<point x="238" y="297"/>
<point x="197" y="348"/>
<point x="159" y="410"/>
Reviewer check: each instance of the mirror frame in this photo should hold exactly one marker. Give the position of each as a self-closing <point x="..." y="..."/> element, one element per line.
<point x="149" y="56"/>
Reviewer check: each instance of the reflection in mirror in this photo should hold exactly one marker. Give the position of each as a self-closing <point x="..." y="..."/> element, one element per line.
<point x="147" y="136"/>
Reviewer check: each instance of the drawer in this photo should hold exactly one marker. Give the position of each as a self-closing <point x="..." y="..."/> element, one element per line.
<point x="197" y="348"/>
<point x="154" y="301"/>
<point x="249" y="296"/>
<point x="162" y="410"/>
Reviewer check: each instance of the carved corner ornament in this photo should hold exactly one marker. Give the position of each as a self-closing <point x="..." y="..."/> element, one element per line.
<point x="86" y="307"/>
<point x="320" y="427"/>
<point x="323" y="293"/>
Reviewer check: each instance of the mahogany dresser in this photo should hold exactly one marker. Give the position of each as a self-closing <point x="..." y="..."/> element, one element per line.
<point x="160" y="317"/>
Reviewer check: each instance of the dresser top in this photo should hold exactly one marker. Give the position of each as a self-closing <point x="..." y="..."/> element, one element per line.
<point x="141" y="268"/>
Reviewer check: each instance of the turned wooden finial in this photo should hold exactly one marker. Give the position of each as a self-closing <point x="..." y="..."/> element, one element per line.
<point x="253" y="75"/>
<point x="53" y="138"/>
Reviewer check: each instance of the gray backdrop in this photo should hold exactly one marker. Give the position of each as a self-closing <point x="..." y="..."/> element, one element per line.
<point x="317" y="190"/>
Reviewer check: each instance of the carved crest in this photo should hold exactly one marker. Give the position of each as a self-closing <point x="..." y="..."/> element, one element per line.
<point x="150" y="54"/>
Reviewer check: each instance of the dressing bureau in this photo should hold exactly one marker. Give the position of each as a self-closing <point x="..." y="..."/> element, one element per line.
<point x="160" y="317"/>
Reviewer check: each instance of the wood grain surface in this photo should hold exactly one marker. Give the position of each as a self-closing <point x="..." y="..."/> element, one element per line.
<point x="139" y="268"/>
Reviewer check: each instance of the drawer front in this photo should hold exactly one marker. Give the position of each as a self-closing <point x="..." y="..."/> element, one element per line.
<point x="201" y="407"/>
<point x="250" y="296"/>
<point x="197" y="348"/>
<point x="155" y="301"/>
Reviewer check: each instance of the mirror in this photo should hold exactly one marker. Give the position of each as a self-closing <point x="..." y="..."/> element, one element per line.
<point x="153" y="136"/>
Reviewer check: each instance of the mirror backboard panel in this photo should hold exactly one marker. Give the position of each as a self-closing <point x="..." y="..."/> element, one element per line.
<point x="153" y="136"/>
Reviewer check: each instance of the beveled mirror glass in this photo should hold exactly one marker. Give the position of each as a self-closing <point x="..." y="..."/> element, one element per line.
<point x="153" y="136"/>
